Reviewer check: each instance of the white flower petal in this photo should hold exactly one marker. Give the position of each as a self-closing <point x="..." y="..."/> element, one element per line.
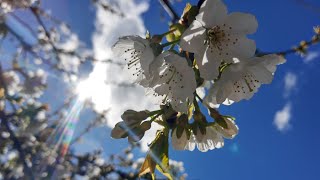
<point x="212" y="13"/>
<point x="229" y="133"/>
<point x="215" y="36"/>
<point x="208" y="65"/>
<point x="242" y="48"/>
<point x="195" y="34"/>
<point x="179" y="143"/>
<point x="191" y="145"/>
<point x="175" y="81"/>
<point x="138" y="55"/>
<point x="241" y="80"/>
<point x="270" y="61"/>
<point x="180" y="106"/>
<point x="213" y="136"/>
<point x="242" y="23"/>
<point x="209" y="141"/>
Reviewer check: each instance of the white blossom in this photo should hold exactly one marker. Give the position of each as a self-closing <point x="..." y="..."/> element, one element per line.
<point x="9" y="5"/>
<point x="204" y="142"/>
<point x="138" y="54"/>
<point x="242" y="79"/>
<point x="37" y="120"/>
<point x="69" y="62"/>
<point x="216" y="36"/>
<point x="12" y="80"/>
<point x="230" y="132"/>
<point x="176" y="166"/>
<point x="130" y="156"/>
<point x="35" y="83"/>
<point x="208" y="141"/>
<point x="138" y="163"/>
<point x="179" y="143"/>
<point x="175" y="81"/>
<point x="211" y="139"/>
<point x="99" y="161"/>
<point x="5" y="134"/>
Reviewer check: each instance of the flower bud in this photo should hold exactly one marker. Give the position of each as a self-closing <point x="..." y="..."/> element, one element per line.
<point x="132" y="125"/>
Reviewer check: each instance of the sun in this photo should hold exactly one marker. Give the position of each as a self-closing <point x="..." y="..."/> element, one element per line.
<point x="85" y="89"/>
<point x="95" y="90"/>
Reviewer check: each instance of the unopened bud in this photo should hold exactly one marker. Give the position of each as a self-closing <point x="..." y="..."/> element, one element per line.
<point x="156" y="38"/>
<point x="317" y="30"/>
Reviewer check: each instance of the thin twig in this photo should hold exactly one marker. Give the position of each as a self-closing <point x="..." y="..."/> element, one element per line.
<point x="35" y="12"/>
<point x="169" y="9"/>
<point x="301" y="48"/>
<point x="84" y="132"/>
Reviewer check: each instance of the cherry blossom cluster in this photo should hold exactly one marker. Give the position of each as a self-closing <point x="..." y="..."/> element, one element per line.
<point x="37" y="55"/>
<point x="29" y="84"/>
<point x="209" y="52"/>
<point x="9" y="5"/>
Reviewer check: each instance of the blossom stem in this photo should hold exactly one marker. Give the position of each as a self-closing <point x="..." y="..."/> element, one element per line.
<point x="169" y="32"/>
<point x="170" y="43"/>
<point x="157" y="114"/>
<point x="196" y="105"/>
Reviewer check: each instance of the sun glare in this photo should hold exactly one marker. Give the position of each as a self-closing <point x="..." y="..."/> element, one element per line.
<point x="85" y="89"/>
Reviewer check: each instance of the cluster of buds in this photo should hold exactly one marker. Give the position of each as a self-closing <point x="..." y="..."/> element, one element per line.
<point x="302" y="49"/>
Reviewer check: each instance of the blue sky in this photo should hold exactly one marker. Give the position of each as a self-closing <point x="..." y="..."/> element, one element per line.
<point x="261" y="150"/>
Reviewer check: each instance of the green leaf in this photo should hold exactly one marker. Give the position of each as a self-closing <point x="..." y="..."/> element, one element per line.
<point x="157" y="156"/>
<point x="148" y="166"/>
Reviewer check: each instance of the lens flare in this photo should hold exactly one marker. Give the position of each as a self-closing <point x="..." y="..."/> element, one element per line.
<point x="61" y="137"/>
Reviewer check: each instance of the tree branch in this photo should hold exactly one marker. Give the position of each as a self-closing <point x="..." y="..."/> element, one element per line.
<point x="169" y="9"/>
<point x="301" y="48"/>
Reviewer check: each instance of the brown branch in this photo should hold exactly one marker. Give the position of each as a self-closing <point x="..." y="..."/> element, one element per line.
<point x="108" y="8"/>
<point x="84" y="132"/>
<point x="35" y="12"/>
<point x="301" y="48"/>
<point x="169" y="9"/>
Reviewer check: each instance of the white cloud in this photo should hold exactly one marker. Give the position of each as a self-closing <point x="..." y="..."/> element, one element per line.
<point x="311" y="56"/>
<point x="282" y="118"/>
<point x="109" y="27"/>
<point x="290" y="83"/>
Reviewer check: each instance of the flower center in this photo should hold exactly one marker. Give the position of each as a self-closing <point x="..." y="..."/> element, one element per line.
<point x="215" y="37"/>
<point x="219" y="38"/>
<point x="172" y="79"/>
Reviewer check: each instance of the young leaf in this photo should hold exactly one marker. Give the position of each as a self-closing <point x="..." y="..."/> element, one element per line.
<point x="157" y="156"/>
